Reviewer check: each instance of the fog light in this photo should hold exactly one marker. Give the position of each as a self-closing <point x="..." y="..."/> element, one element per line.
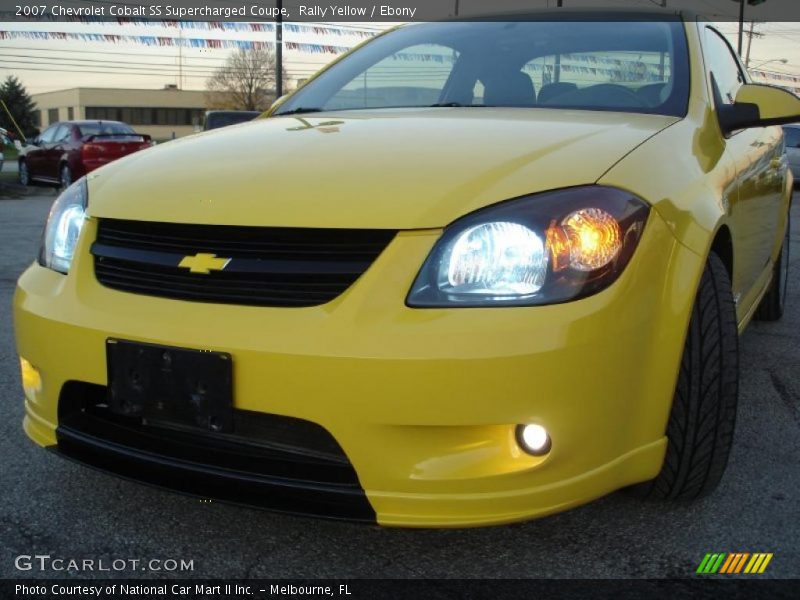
<point x="533" y="439"/>
<point x="31" y="379"/>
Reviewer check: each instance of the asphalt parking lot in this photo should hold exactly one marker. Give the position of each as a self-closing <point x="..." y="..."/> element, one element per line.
<point x="53" y="507"/>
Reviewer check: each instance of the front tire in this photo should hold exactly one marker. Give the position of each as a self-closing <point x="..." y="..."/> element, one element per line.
<point x="774" y="301"/>
<point x="65" y="177"/>
<point x="23" y="174"/>
<point x="701" y="423"/>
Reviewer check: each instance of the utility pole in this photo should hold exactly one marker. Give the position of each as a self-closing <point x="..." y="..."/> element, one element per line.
<point x="741" y="25"/>
<point x="741" y="18"/>
<point x="456" y="7"/>
<point x="750" y="35"/>
<point x="279" y="52"/>
<point x="180" y="57"/>
<point x="749" y="44"/>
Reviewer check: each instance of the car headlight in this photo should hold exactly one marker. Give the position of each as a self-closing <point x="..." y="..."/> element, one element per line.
<point x="63" y="227"/>
<point x="541" y="249"/>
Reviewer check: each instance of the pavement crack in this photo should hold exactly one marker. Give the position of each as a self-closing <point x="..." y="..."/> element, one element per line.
<point x="788" y="398"/>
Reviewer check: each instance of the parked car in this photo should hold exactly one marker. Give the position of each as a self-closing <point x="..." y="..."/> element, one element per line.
<point x="69" y="150"/>
<point x="5" y="142"/>
<point x="793" y="150"/>
<point x="215" y="119"/>
<point x="447" y="296"/>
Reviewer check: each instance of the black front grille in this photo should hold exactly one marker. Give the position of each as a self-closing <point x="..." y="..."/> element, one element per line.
<point x="267" y="461"/>
<point x="266" y="266"/>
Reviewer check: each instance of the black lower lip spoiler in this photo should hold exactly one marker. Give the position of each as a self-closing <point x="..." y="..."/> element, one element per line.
<point x="321" y="500"/>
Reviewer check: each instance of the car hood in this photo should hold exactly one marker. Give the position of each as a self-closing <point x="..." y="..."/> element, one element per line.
<point x="398" y="169"/>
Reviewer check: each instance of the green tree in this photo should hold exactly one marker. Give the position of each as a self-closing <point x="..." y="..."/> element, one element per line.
<point x="22" y="107"/>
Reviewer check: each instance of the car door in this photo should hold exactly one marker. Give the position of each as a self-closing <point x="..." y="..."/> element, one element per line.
<point x="35" y="155"/>
<point x="760" y="170"/>
<point x="54" y="151"/>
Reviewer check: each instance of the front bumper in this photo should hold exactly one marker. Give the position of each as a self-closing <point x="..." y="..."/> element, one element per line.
<point x="424" y="403"/>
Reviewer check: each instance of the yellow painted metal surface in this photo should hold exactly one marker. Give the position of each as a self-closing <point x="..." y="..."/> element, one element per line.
<point x="424" y="402"/>
<point x="432" y="167"/>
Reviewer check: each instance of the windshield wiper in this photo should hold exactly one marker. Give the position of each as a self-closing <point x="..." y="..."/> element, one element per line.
<point x="300" y="110"/>
<point x="457" y="105"/>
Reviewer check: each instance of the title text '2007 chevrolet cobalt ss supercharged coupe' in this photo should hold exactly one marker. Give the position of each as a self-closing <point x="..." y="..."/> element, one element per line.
<point x="472" y="273"/>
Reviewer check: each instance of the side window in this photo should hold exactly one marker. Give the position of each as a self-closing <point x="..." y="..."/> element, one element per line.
<point x="413" y="76"/>
<point x="792" y="137"/>
<point x="642" y="79"/>
<point x="48" y="135"/>
<point x="62" y="133"/>
<point x="726" y="76"/>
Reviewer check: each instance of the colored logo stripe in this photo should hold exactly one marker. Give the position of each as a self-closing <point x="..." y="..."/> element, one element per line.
<point x="735" y="562"/>
<point x="711" y="563"/>
<point x="758" y="563"/>
<point x="727" y="564"/>
<point x="724" y="563"/>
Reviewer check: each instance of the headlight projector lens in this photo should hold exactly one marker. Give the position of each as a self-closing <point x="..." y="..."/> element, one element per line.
<point x="496" y="259"/>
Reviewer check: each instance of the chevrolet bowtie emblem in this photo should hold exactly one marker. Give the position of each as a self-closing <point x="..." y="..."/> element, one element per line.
<point x="204" y="263"/>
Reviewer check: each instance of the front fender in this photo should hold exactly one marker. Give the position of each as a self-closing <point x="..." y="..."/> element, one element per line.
<point x="686" y="175"/>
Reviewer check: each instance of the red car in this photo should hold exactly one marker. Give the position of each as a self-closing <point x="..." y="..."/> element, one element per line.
<point x="69" y="150"/>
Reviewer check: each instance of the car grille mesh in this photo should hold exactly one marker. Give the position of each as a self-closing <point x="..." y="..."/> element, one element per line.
<point x="292" y="267"/>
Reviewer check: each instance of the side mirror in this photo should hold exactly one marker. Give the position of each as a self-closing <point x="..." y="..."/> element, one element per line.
<point x="759" y="105"/>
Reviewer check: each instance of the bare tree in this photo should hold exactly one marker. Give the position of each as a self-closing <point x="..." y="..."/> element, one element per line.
<point x="245" y="82"/>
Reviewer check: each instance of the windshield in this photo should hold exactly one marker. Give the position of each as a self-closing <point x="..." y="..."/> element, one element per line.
<point x="104" y="128"/>
<point x="600" y="65"/>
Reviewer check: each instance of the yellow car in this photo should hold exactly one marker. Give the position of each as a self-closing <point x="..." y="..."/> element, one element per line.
<point x="471" y="273"/>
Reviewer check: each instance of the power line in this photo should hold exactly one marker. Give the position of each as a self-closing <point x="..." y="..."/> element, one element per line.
<point x="120" y="69"/>
<point x="123" y="67"/>
<point x="389" y="73"/>
<point x="381" y="78"/>
<point x="133" y="67"/>
<point x="220" y="59"/>
<point x="94" y="72"/>
<point x="138" y="54"/>
<point x="94" y="61"/>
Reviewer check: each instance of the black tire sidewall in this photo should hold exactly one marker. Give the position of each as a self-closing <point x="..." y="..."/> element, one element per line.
<point x="703" y="414"/>
<point x="23" y="167"/>
<point x="64" y="168"/>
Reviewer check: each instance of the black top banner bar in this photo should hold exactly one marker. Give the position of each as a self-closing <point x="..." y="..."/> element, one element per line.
<point x="382" y="10"/>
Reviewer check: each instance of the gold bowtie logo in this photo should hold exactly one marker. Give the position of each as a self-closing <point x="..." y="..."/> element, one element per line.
<point x="204" y="263"/>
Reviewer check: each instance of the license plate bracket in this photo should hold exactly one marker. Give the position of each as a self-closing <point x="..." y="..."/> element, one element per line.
<point x="173" y="386"/>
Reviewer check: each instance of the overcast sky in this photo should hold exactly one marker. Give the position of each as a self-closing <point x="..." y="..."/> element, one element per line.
<point x="45" y="65"/>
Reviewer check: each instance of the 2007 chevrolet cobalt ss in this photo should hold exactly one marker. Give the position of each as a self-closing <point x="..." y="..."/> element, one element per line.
<point x="472" y="273"/>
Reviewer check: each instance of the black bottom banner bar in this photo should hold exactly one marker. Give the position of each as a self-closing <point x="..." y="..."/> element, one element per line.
<point x="419" y="589"/>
